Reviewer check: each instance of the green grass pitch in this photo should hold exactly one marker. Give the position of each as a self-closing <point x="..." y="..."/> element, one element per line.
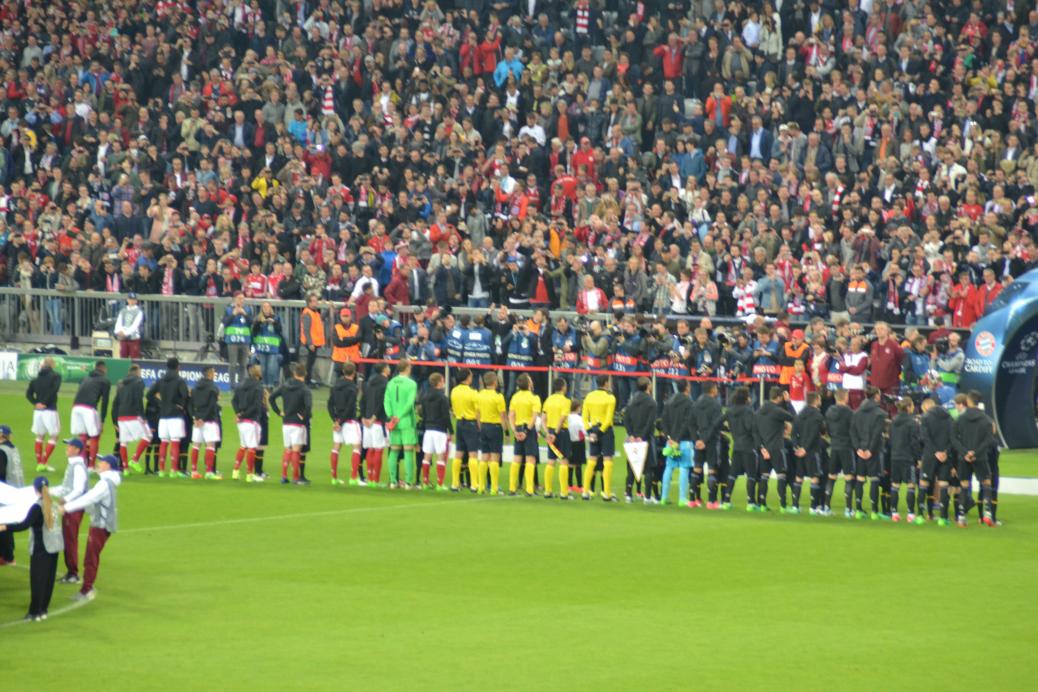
<point x="223" y="586"/>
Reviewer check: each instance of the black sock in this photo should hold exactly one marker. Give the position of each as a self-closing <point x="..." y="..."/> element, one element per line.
<point x="816" y="494"/>
<point x="827" y="499"/>
<point x="751" y="490"/>
<point x="895" y="499"/>
<point x="797" y="487"/>
<point x="994" y="501"/>
<point x="762" y="491"/>
<point x="943" y="502"/>
<point x="259" y="461"/>
<point x="989" y="499"/>
<point x="874" y="494"/>
<point x="848" y="493"/>
<point x="966" y="499"/>
<point x="884" y="500"/>
<point x="910" y="498"/>
<point x="726" y="490"/>
<point x="921" y="499"/>
<point x="697" y="481"/>
<point x="711" y="483"/>
<point x="859" y="494"/>
<point x="782" y="484"/>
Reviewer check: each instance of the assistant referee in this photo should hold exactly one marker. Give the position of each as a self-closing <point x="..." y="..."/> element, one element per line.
<point x="463" y="405"/>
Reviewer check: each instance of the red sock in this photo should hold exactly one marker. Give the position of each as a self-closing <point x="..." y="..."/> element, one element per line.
<point x="250" y="460"/>
<point x="297" y="458"/>
<point x="210" y="460"/>
<point x="174" y="455"/>
<point x="285" y="458"/>
<point x="142" y="447"/>
<point x="441" y="472"/>
<point x="238" y="457"/>
<point x="163" y="446"/>
<point x="378" y="464"/>
<point x="372" y="478"/>
<point x="50" y="450"/>
<point x="335" y="463"/>
<point x="425" y="472"/>
<point x="123" y="455"/>
<point x="355" y="464"/>
<point x="194" y="459"/>
<point x="39" y="452"/>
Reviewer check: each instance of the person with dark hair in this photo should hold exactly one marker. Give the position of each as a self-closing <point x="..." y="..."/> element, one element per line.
<point x="100" y="503"/>
<point x="808" y="429"/>
<point x="738" y="418"/>
<point x="640" y="423"/>
<point x="205" y="415"/>
<point x="42" y="393"/>
<point x="249" y="407"/>
<point x="867" y="425"/>
<point x="772" y="422"/>
<point x="524" y="412"/>
<point x="598" y="414"/>
<point x="676" y="424"/>
<point x="492" y="417"/>
<point x="89" y="409"/>
<point x="973" y="437"/>
<point x="709" y="418"/>
<point x="554" y="425"/>
<point x="841" y="454"/>
<point x="466" y="442"/>
<point x="342" y="408"/>
<point x="402" y="423"/>
<point x="297" y="405"/>
<point x="436" y="419"/>
<point x="45" y="542"/>
<point x="128" y="416"/>
<point x="173" y="401"/>
<point x="904" y="451"/>
<point x="373" y="419"/>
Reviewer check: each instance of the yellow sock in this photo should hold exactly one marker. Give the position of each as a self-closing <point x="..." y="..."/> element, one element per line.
<point x="456" y="474"/>
<point x="563" y="480"/>
<point x="549" y="476"/>
<point x="482" y="478"/>
<point x="607" y="478"/>
<point x="589" y="473"/>
<point x="474" y="474"/>
<point x="513" y="476"/>
<point x="531" y="476"/>
<point x="495" y="477"/>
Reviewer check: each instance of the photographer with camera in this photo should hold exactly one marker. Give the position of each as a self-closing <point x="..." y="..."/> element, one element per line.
<point x="704" y="359"/>
<point x="520" y="347"/>
<point x="628" y="349"/>
<point x="565" y="349"/>
<point x="948" y="358"/>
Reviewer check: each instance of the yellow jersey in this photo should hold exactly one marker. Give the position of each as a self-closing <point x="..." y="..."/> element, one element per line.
<point x="526" y="405"/>
<point x="599" y="409"/>
<point x="491" y="405"/>
<point x="463" y="402"/>
<point x="556" y="412"/>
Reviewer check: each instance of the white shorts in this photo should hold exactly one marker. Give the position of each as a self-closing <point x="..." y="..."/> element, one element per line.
<point x="208" y="433"/>
<point x="293" y="435"/>
<point x="133" y="429"/>
<point x="85" y="421"/>
<point x="45" y="422"/>
<point x="434" y="442"/>
<point x="171" y="429"/>
<point x="248" y="434"/>
<point x="798" y="406"/>
<point x="348" y="435"/>
<point x="374" y="436"/>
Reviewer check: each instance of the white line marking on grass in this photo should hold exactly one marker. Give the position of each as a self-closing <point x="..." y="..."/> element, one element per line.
<point x="302" y="515"/>
<point x="60" y="611"/>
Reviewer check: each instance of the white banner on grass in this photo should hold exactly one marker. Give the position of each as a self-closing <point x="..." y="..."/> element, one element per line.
<point x="15" y="503"/>
<point x="8" y="365"/>
<point x="636" y="453"/>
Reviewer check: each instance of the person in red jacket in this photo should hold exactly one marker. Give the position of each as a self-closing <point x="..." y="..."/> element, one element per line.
<point x="584" y="161"/>
<point x="885" y="360"/>
<point x="488" y="53"/>
<point x="987" y="292"/>
<point x="672" y="57"/>
<point x="719" y="106"/>
<point x="963" y="302"/>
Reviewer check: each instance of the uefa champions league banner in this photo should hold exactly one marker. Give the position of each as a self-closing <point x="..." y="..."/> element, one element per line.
<point x="15" y="503"/>
<point x="153" y="370"/>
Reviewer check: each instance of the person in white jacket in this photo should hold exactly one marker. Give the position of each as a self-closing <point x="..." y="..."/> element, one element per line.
<point x="128" y="327"/>
<point x="72" y="487"/>
<point x="100" y="503"/>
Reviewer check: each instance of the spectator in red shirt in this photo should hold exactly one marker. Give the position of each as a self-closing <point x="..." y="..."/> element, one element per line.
<point x="672" y="57"/>
<point x="963" y="302"/>
<point x="988" y="291"/>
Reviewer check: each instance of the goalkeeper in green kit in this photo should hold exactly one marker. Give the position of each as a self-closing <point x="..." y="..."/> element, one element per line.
<point x="402" y="423"/>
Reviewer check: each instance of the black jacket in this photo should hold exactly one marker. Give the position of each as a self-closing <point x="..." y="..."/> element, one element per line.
<point x="342" y="400"/>
<point x="640" y="416"/>
<point x="44" y="389"/>
<point x="741" y="426"/>
<point x="205" y="401"/>
<point x="129" y="399"/>
<point x="867" y="427"/>
<point x="297" y="401"/>
<point x="374" y="394"/>
<point x="808" y="428"/>
<point x="936" y="429"/>
<point x="973" y="433"/>
<point x="173" y="395"/>
<point x="838" y="423"/>
<point x="708" y="419"/>
<point x="436" y="410"/>
<point x="247" y="401"/>
<point x="93" y="392"/>
<point x="771" y="427"/>
<point x="904" y="437"/>
<point x="677" y="417"/>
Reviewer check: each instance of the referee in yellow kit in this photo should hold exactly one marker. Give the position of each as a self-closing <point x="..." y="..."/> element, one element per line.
<point x="599" y="409"/>
<point x="463" y="405"/>
<point x="524" y="411"/>
<point x="491" y="408"/>
<point x="556" y="415"/>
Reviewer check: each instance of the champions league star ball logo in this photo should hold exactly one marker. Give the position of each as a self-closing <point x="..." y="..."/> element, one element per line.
<point x="1029" y="342"/>
<point x="985" y="343"/>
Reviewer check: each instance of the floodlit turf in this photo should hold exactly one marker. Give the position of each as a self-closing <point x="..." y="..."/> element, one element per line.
<point x="220" y="586"/>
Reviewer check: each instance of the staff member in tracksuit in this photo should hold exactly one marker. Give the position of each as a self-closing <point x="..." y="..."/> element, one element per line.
<point x="129" y="420"/>
<point x="640" y="422"/>
<point x="973" y="437"/>
<point x="100" y="503"/>
<point x="89" y="408"/>
<point x="867" y="426"/>
<point x="769" y="438"/>
<point x="436" y="418"/>
<point x="173" y="400"/>
<point x="709" y="419"/>
<point x="205" y="414"/>
<point x="248" y="406"/>
<point x="44" y="545"/>
<point x="676" y="425"/>
<point x="43" y="395"/>
<point x="807" y="448"/>
<point x="297" y="403"/>
<point x="72" y="486"/>
<point x="739" y="419"/>
<point x="11" y="474"/>
<point x="841" y="453"/>
<point x="342" y="408"/>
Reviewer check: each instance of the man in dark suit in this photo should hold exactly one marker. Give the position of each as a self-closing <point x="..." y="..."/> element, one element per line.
<point x="417" y="282"/>
<point x="760" y="140"/>
<point x="240" y="132"/>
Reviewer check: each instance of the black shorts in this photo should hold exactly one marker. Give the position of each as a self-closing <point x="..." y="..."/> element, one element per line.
<point x="872" y="467"/>
<point x="809" y="465"/>
<point x="902" y="471"/>
<point x="467" y="437"/>
<point x="563" y="444"/>
<point x="776" y="463"/>
<point x="605" y="446"/>
<point x="491" y="438"/>
<point x="979" y="468"/>
<point x="526" y="447"/>
<point x="744" y="463"/>
<point x="708" y="456"/>
<point x="934" y="470"/>
<point x="841" y="461"/>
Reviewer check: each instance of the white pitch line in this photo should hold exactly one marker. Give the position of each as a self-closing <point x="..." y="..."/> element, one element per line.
<point x="53" y="614"/>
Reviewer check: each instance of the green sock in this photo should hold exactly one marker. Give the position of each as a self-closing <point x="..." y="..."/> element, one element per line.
<point x="394" y="460"/>
<point x="409" y="467"/>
